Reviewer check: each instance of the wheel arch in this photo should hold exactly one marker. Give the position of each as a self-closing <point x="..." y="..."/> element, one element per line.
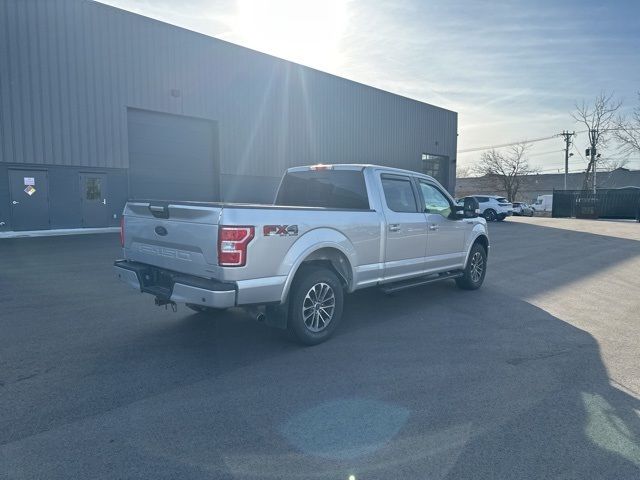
<point x="483" y="240"/>
<point x="336" y="253"/>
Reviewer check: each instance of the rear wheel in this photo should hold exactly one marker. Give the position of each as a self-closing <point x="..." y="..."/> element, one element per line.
<point x="475" y="269"/>
<point x="315" y="305"/>
<point x="490" y="215"/>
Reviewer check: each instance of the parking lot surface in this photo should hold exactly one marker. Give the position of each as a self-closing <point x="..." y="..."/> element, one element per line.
<point x="536" y="375"/>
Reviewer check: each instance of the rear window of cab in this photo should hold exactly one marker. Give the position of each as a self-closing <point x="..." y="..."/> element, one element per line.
<point x="324" y="188"/>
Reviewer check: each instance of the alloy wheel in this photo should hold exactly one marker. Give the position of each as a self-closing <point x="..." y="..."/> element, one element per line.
<point x="477" y="267"/>
<point x="318" y="307"/>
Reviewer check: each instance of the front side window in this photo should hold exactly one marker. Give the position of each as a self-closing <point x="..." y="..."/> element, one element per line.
<point x="398" y="193"/>
<point x="434" y="200"/>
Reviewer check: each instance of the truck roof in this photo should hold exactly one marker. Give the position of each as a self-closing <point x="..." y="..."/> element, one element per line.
<point x="359" y="166"/>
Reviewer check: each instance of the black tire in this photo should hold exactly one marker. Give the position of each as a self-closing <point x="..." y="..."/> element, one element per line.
<point x="469" y="281"/>
<point x="531" y="214"/>
<point x="490" y="215"/>
<point x="306" y="311"/>
<point x="501" y="218"/>
<point x="203" y="309"/>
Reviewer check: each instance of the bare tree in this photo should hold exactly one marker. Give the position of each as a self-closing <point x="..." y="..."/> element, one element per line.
<point x="599" y="118"/>
<point x="463" y="171"/>
<point x="508" y="168"/>
<point x="611" y="164"/>
<point x="627" y="131"/>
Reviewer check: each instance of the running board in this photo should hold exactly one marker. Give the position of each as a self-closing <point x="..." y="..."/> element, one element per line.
<point x="416" y="282"/>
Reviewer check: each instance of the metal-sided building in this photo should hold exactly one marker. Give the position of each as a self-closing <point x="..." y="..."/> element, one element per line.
<point x="98" y="105"/>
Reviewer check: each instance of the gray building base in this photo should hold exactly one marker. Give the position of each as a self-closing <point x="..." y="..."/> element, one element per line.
<point x="63" y="205"/>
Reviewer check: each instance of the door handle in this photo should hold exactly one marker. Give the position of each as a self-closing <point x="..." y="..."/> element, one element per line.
<point x="15" y="203"/>
<point x="394" y="227"/>
<point x="433" y="227"/>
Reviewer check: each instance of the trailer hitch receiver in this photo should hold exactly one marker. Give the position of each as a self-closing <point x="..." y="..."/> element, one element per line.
<point x="159" y="301"/>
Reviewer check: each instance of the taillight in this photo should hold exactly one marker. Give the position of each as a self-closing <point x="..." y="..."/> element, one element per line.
<point x="122" y="231"/>
<point x="232" y="245"/>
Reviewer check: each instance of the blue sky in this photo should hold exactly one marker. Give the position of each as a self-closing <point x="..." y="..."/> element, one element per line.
<point x="512" y="70"/>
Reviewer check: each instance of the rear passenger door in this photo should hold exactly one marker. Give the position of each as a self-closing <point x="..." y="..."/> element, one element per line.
<point x="406" y="228"/>
<point x="483" y="202"/>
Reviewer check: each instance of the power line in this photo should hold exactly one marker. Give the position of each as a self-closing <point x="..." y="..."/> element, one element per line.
<point x="537" y="154"/>
<point x="489" y="147"/>
<point x="534" y="140"/>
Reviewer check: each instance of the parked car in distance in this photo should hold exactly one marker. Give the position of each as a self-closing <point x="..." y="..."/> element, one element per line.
<point x="544" y="203"/>
<point x="332" y="229"/>
<point x="492" y="207"/>
<point x="522" y="209"/>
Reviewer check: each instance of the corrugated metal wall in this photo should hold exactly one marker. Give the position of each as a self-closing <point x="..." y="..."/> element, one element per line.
<point x="70" y="68"/>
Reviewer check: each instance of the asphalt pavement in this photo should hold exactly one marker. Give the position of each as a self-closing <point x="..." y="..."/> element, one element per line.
<point x="536" y="375"/>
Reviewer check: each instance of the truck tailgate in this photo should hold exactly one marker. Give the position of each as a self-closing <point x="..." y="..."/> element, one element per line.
<point x="178" y="237"/>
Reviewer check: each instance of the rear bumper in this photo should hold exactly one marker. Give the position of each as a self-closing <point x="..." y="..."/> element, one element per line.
<point x="176" y="287"/>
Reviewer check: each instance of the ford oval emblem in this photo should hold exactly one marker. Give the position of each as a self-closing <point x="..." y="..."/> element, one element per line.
<point x="161" y="230"/>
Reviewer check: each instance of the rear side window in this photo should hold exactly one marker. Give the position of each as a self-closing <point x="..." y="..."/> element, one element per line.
<point x="399" y="195"/>
<point x="502" y="200"/>
<point x="324" y="188"/>
<point x="482" y="199"/>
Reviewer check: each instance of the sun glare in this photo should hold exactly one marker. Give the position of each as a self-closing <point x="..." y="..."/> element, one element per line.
<point x="307" y="32"/>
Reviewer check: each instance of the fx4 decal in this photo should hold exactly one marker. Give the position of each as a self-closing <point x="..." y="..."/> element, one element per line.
<point x="280" y="230"/>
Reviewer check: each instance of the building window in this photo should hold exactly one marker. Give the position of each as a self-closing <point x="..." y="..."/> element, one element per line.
<point x="436" y="166"/>
<point x="93" y="190"/>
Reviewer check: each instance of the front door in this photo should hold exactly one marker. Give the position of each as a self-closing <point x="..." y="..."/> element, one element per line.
<point x="446" y="233"/>
<point x="406" y="235"/>
<point x="93" y="197"/>
<point x="29" y="199"/>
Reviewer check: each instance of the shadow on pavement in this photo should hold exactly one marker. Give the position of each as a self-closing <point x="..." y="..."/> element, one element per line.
<point x="431" y="383"/>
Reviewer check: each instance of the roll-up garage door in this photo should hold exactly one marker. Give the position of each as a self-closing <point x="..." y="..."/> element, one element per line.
<point x="172" y="157"/>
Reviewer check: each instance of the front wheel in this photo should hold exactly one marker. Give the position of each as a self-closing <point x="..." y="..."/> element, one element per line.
<point x="475" y="269"/>
<point x="316" y="304"/>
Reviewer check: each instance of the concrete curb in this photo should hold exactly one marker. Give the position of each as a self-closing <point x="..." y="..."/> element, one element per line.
<point x="58" y="232"/>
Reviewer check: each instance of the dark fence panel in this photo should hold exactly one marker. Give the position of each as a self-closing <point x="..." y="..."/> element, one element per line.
<point x="605" y="203"/>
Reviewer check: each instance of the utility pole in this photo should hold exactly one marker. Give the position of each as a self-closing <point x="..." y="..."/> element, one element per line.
<point x="567" y="144"/>
<point x="592" y="151"/>
<point x="592" y="154"/>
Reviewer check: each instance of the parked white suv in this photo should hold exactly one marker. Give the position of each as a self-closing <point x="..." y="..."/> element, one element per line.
<point x="493" y="207"/>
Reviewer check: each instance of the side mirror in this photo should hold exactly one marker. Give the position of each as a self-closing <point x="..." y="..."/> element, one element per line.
<point x="471" y="208"/>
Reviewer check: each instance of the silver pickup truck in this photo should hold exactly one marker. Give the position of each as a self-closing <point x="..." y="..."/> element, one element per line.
<point x="332" y="229"/>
